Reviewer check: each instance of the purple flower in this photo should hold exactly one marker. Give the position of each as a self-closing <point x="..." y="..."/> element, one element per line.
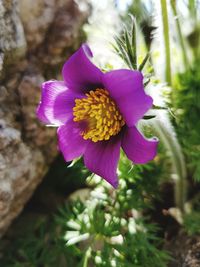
<point x="97" y="114"/>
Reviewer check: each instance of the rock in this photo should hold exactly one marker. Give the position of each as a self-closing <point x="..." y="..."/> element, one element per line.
<point x="12" y="41"/>
<point x="36" y="17"/>
<point x="185" y="255"/>
<point x="192" y="258"/>
<point x="36" y="37"/>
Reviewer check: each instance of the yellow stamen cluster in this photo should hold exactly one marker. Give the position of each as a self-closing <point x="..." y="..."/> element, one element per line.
<point x="100" y="115"/>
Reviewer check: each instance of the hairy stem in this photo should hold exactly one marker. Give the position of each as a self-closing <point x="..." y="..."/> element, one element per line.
<point x="167" y="135"/>
<point x="180" y="36"/>
<point x="166" y="41"/>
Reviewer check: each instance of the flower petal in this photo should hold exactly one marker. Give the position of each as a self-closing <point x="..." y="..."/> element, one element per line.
<point x="126" y="89"/>
<point x="102" y="158"/>
<point x="71" y="143"/>
<point x="56" y="103"/>
<point x="137" y="148"/>
<point x="79" y="73"/>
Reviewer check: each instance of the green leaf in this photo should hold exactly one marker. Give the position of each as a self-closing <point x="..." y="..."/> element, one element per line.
<point x="122" y="51"/>
<point x="158" y="107"/>
<point x="146" y="83"/>
<point x="148" y="117"/>
<point x="134" y="40"/>
<point x="144" y="62"/>
<point x="129" y="49"/>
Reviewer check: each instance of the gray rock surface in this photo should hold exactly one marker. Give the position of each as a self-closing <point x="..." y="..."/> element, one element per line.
<point x="36" y="37"/>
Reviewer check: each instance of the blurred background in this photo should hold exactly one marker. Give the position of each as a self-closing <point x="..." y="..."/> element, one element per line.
<point x="54" y="213"/>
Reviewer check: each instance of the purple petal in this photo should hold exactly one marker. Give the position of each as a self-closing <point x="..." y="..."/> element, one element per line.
<point x="56" y="103"/>
<point x="137" y="148"/>
<point x="126" y="89"/>
<point x="102" y="158"/>
<point x="79" y="73"/>
<point x="71" y="143"/>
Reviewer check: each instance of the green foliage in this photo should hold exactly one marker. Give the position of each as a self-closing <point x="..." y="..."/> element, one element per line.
<point x="37" y="244"/>
<point x="185" y="100"/>
<point x="108" y="229"/>
<point x="144" y="13"/>
<point x="191" y="220"/>
<point x="126" y="47"/>
<point x="191" y="223"/>
<point x="142" y="180"/>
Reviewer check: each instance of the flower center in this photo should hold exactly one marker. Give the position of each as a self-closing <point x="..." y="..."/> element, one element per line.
<point x="100" y="114"/>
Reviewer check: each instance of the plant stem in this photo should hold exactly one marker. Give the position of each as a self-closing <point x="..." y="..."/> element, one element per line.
<point x="193" y="7"/>
<point x="87" y="256"/>
<point x="185" y="59"/>
<point x="166" y="41"/>
<point x="166" y="133"/>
